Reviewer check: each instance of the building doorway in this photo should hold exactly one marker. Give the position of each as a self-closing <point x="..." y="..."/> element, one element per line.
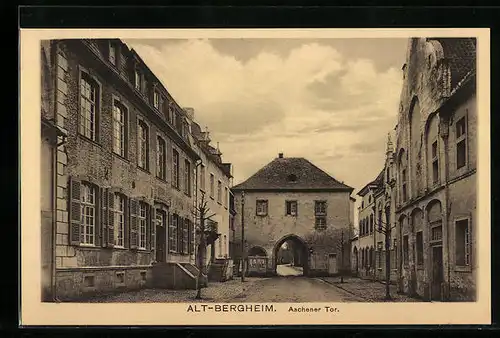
<point x="437" y="273"/>
<point x="161" y="236"/>
<point x="290" y="256"/>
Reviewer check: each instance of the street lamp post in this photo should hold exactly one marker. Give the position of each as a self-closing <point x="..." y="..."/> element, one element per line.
<point x="242" y="236"/>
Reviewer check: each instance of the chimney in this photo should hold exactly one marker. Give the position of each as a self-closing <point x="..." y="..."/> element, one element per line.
<point x="280" y="155"/>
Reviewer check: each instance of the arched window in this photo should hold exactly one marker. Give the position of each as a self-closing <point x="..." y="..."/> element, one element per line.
<point x="415" y="147"/>
<point x="403" y="176"/>
<point x="432" y="145"/>
<point x="371" y="223"/>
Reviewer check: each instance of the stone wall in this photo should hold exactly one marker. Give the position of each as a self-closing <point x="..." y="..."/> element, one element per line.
<point x="267" y="231"/>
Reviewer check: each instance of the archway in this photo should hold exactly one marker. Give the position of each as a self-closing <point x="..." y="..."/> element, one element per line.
<point x="257" y="251"/>
<point x="291" y="257"/>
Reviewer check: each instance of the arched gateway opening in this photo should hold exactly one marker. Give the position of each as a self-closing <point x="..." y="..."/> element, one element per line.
<point x="291" y="257"/>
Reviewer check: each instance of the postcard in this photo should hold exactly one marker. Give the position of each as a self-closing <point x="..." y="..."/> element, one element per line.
<point x="255" y="177"/>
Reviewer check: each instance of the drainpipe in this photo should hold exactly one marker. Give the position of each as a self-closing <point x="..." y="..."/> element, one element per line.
<point x="53" y="189"/>
<point x="53" y="199"/>
<point x="444" y="135"/>
<point x="198" y="163"/>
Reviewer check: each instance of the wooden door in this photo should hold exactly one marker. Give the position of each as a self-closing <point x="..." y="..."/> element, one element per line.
<point x="161" y="237"/>
<point x="332" y="264"/>
<point x="437" y="272"/>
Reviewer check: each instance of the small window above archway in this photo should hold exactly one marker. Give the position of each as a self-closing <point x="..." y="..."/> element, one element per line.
<point x="292" y="178"/>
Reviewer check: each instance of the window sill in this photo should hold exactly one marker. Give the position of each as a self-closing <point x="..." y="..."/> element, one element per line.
<point x="89" y="246"/>
<point x="261" y="215"/>
<point x="463" y="269"/>
<point x="120" y="247"/>
<point x="144" y="169"/>
<point x="219" y="203"/>
<point x="163" y="180"/>
<point x="176" y="187"/>
<point x="121" y="157"/>
<point x="85" y="138"/>
<point x="289" y="215"/>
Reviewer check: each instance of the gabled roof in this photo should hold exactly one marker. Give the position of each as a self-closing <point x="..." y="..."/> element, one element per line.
<point x="373" y="184"/>
<point x="276" y="175"/>
<point x="461" y="55"/>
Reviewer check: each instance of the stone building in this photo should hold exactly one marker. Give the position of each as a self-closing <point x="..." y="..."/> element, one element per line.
<point x="214" y="179"/>
<point x="385" y="222"/>
<point x="366" y="243"/>
<point x="291" y="200"/>
<point x="123" y="204"/>
<point x="436" y="170"/>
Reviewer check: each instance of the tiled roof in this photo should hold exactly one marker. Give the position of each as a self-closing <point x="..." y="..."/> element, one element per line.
<point x="276" y="175"/>
<point x="376" y="182"/>
<point x="461" y="54"/>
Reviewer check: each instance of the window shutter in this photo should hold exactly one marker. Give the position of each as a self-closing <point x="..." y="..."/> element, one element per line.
<point x="111" y="220"/>
<point x="133" y="224"/>
<point x="104" y="218"/>
<point x="74" y="211"/>
<point x="191" y="237"/>
<point x="98" y="214"/>
<point x="153" y="228"/>
<point x="180" y="237"/>
<point x="126" y="225"/>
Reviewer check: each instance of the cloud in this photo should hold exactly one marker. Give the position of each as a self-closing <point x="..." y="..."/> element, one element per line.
<point x="311" y="101"/>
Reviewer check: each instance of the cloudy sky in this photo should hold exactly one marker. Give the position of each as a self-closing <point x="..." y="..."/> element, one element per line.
<point x="332" y="101"/>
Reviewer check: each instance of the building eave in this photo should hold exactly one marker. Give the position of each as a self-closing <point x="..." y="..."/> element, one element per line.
<point x="237" y="189"/>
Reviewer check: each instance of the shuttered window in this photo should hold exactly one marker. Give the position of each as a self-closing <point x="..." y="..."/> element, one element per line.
<point x="172" y="234"/>
<point x="185" y="236"/>
<point x="84" y="213"/>
<point x="142" y="219"/>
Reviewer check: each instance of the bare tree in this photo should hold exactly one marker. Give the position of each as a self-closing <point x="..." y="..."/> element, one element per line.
<point x="205" y="236"/>
<point x="385" y="228"/>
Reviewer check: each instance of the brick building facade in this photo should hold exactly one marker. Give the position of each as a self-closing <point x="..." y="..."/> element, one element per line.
<point x="376" y="217"/>
<point x="214" y="181"/>
<point x="125" y="171"/>
<point x="436" y="170"/>
<point x="291" y="199"/>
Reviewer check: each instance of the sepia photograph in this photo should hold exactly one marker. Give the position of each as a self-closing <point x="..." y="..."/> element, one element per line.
<point x="234" y="171"/>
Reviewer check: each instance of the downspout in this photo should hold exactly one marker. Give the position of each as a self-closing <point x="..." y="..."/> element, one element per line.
<point x="54" y="150"/>
<point x="198" y="163"/>
<point x="53" y="196"/>
<point x="444" y="135"/>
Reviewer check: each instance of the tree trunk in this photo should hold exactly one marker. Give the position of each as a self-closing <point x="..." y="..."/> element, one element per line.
<point x="387" y="265"/>
<point x="201" y="256"/>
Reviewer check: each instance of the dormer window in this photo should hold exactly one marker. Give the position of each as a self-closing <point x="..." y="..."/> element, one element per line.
<point x="156" y="99"/>
<point x="292" y="178"/>
<point x="137" y="79"/>
<point x="112" y="53"/>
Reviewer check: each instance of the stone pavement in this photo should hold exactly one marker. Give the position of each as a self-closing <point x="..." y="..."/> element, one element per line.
<point x="218" y="292"/>
<point x="254" y="289"/>
<point x="369" y="291"/>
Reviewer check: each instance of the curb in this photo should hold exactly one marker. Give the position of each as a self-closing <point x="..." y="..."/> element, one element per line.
<point x="345" y="290"/>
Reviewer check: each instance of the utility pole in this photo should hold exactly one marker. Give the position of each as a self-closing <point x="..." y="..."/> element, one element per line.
<point x="387" y="254"/>
<point x="342" y="259"/>
<point x="242" y="236"/>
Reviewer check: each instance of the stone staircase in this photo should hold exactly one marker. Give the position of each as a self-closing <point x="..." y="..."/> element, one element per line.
<point x="179" y="276"/>
<point x="220" y="270"/>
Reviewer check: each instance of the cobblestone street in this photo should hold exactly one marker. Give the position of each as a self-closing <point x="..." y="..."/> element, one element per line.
<point x="277" y="289"/>
<point x="369" y="291"/>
